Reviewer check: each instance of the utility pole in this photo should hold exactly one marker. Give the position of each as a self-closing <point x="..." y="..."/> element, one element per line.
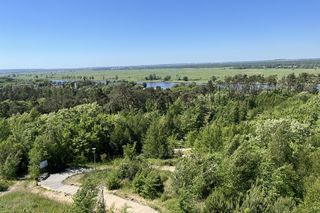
<point x="94" y="158"/>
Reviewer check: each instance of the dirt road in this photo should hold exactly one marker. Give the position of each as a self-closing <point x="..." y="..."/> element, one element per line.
<point x="55" y="183"/>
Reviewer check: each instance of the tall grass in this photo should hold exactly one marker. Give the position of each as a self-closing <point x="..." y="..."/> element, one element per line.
<point x="27" y="202"/>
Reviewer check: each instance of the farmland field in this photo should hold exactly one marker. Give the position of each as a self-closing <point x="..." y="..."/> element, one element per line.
<point x="176" y="74"/>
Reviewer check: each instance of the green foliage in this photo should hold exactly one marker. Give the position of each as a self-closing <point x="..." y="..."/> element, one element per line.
<point x="148" y="184"/>
<point x="9" y="168"/>
<point x="167" y="78"/>
<point x="187" y="202"/>
<point x="156" y="144"/>
<point x="256" y="200"/>
<point x="286" y="182"/>
<point x="10" y="157"/>
<point x="218" y="201"/>
<point x="4" y="130"/>
<point x="113" y="181"/>
<point x="29" y="202"/>
<point x="127" y="169"/>
<point x="45" y="148"/>
<point x="197" y="175"/>
<point x="311" y="201"/>
<point x="244" y="167"/>
<point x="85" y="199"/>
<point x="129" y="151"/>
<point x="252" y="149"/>
<point x="4" y="185"/>
<point x="284" y="205"/>
<point x="209" y="139"/>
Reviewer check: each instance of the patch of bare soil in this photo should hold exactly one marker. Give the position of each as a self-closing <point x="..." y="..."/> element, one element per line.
<point x="73" y="180"/>
<point x="31" y="187"/>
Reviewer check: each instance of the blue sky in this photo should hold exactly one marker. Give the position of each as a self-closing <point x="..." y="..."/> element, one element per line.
<point x="86" y="33"/>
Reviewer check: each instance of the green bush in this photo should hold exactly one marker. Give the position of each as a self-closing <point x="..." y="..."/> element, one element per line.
<point x="187" y="202"/>
<point x="217" y="201"/>
<point x="148" y="184"/>
<point x="10" y="166"/>
<point x="113" y="181"/>
<point x="256" y="200"/>
<point x="10" y="158"/>
<point x="4" y="185"/>
<point x="198" y="175"/>
<point x="283" y="205"/>
<point x="86" y="198"/>
<point x="129" y="168"/>
<point x="311" y="201"/>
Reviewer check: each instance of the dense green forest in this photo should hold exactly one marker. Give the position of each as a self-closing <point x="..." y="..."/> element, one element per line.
<point x="255" y="140"/>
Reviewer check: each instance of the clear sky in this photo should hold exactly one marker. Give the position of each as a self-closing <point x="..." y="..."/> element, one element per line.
<point x="86" y="33"/>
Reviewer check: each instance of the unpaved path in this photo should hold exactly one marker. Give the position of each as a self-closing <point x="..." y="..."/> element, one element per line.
<point x="31" y="187"/>
<point x="119" y="203"/>
<point x="165" y="168"/>
<point x="55" y="183"/>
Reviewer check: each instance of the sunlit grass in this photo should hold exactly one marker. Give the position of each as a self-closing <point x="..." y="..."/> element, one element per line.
<point x="27" y="202"/>
<point x="194" y="74"/>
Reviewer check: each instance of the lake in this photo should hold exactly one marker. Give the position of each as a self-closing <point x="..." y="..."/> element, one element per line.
<point x="163" y="85"/>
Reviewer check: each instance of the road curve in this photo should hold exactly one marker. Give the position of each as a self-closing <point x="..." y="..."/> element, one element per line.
<point x="55" y="182"/>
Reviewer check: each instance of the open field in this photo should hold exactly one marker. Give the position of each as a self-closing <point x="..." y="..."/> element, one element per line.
<point x="28" y="202"/>
<point x="194" y="74"/>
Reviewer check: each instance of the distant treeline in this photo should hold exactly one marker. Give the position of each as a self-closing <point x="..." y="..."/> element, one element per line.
<point x="285" y="64"/>
<point x="281" y="63"/>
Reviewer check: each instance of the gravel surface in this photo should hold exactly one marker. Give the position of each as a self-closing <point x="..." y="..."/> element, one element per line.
<point x="55" y="182"/>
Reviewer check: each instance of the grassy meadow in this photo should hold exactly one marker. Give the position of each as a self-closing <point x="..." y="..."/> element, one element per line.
<point x="27" y="202"/>
<point x="193" y="74"/>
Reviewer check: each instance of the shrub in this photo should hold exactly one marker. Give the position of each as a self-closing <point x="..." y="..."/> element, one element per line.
<point x="256" y="200"/>
<point x="311" y="201"/>
<point x="198" y="175"/>
<point x="167" y="78"/>
<point x="4" y="185"/>
<point x="129" y="168"/>
<point x="138" y="181"/>
<point x="284" y="205"/>
<point x="10" y="157"/>
<point x="148" y="184"/>
<point x="113" y="181"/>
<point x="187" y="202"/>
<point x="129" y="151"/>
<point x="104" y="157"/>
<point x="9" y="168"/>
<point x="86" y="198"/>
<point x="153" y="185"/>
<point x="156" y="144"/>
<point x="217" y="201"/>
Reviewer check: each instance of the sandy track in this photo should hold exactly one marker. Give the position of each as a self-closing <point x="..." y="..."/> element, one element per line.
<point x="31" y="187"/>
<point x="55" y="183"/>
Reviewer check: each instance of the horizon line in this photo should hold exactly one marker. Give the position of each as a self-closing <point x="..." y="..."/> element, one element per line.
<point x="161" y="65"/>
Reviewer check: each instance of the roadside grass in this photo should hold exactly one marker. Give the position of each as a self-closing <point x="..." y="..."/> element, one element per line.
<point x="127" y="190"/>
<point x="100" y="175"/>
<point x="97" y="177"/>
<point x="5" y="184"/>
<point x="165" y="203"/>
<point x="75" y="180"/>
<point x="28" y="202"/>
<point x="102" y="164"/>
<point x="163" y="162"/>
